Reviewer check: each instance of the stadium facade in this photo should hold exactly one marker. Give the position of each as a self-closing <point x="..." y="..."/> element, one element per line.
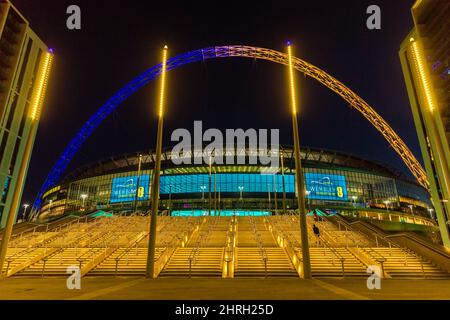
<point x="334" y="181"/>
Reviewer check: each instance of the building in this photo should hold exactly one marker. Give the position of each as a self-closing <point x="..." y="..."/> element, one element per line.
<point x="424" y="56"/>
<point x="334" y="181"/>
<point x="25" y="62"/>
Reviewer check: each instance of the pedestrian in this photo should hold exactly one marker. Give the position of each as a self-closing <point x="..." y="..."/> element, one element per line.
<point x="316" y="233"/>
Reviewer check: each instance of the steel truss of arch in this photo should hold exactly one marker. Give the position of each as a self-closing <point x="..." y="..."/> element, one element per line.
<point x="226" y="52"/>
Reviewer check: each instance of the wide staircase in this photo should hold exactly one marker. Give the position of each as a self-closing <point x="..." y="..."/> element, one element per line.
<point x="203" y="254"/>
<point x="83" y="247"/>
<point x="208" y="246"/>
<point x="257" y="253"/>
<point x="131" y="260"/>
<point x="401" y="263"/>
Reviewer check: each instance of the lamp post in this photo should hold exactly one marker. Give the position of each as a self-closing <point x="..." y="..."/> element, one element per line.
<point x="298" y="172"/>
<point x="136" y="195"/>
<point x="307" y="193"/>
<point x="386" y="203"/>
<point x="25" y="207"/>
<point x="215" y="192"/>
<point x="241" y="188"/>
<point x="50" y="206"/>
<point x="210" y="185"/>
<point x="170" y="200"/>
<point x="354" y="200"/>
<point x="83" y="199"/>
<point x="203" y="191"/>
<point x="284" y="186"/>
<point x="150" y="272"/>
<point x="411" y="208"/>
<point x="275" y="200"/>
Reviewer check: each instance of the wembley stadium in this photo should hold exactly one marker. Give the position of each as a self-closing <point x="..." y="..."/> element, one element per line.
<point x="335" y="182"/>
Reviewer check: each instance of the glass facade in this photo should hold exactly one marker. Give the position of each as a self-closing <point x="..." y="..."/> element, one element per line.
<point x="226" y="183"/>
<point x="246" y="189"/>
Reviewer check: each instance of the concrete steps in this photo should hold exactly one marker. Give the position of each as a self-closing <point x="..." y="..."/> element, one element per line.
<point x="208" y="263"/>
<point x="402" y="264"/>
<point x="250" y="263"/>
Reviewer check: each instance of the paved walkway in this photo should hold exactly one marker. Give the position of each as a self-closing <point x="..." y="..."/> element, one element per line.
<point x="228" y="289"/>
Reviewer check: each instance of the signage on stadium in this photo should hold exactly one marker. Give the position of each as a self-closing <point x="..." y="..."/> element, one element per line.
<point x="124" y="188"/>
<point x="325" y="186"/>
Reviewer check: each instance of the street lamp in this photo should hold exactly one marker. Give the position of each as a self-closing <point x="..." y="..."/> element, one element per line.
<point x="354" y="200"/>
<point x="411" y="207"/>
<point x="241" y="188"/>
<point x="136" y="194"/>
<point x="83" y="198"/>
<point x="386" y="203"/>
<point x="151" y="253"/>
<point x="50" y="206"/>
<point x="298" y="168"/>
<point x="25" y="207"/>
<point x="431" y="212"/>
<point x="307" y="193"/>
<point x="203" y="191"/>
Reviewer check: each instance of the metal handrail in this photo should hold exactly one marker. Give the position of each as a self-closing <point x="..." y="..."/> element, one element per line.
<point x="202" y="239"/>
<point x="393" y="244"/>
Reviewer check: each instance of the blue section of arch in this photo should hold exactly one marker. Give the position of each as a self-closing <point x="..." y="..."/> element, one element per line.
<point x="105" y="110"/>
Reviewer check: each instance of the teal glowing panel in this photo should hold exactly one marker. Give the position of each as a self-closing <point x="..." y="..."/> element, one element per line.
<point x="321" y="186"/>
<point x="222" y="213"/>
<point x="124" y="189"/>
<point x="226" y="182"/>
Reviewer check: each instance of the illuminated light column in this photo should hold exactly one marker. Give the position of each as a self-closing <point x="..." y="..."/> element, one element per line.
<point x="156" y="174"/>
<point x="435" y="140"/>
<point x="210" y="187"/>
<point x="136" y="196"/>
<point x="284" y="184"/>
<point x="298" y="172"/>
<point x="34" y="116"/>
<point x="275" y="193"/>
<point x="215" y="192"/>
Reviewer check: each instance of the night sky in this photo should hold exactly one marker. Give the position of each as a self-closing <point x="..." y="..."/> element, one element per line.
<point x="121" y="39"/>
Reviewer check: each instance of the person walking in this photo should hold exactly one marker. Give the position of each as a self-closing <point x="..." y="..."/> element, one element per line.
<point x="316" y="233"/>
<point x="316" y="218"/>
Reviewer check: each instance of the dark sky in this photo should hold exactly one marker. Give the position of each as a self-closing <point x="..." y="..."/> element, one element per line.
<point x="121" y="39"/>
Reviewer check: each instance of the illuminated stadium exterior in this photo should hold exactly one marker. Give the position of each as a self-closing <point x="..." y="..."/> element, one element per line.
<point x="334" y="181"/>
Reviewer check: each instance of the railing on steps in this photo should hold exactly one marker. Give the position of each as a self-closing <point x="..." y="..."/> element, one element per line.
<point x="389" y="243"/>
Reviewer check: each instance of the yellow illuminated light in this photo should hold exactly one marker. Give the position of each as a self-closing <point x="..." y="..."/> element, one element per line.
<point x="291" y="79"/>
<point x="41" y="86"/>
<point x="163" y="80"/>
<point x="423" y="74"/>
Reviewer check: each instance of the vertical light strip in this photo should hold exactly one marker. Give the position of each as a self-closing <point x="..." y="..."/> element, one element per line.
<point x="163" y="81"/>
<point x="422" y="73"/>
<point x="41" y="86"/>
<point x="291" y="79"/>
